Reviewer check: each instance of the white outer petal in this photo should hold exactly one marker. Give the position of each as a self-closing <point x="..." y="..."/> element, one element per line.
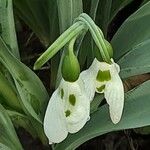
<point x="114" y="94"/>
<point x="81" y="110"/>
<point x="88" y="84"/>
<point x="80" y="115"/>
<point x="55" y="120"/>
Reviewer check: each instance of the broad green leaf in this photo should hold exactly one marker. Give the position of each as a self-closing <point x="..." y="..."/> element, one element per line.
<point x="118" y="5"/>
<point x="8" y="34"/>
<point x="21" y="120"/>
<point x="143" y="130"/>
<point x="8" y="135"/>
<point x="134" y="31"/>
<point x="107" y="10"/>
<point x="136" y="114"/>
<point x="4" y="147"/>
<point x="10" y="96"/>
<point x="93" y="10"/>
<point x="7" y="26"/>
<point x="36" y="14"/>
<point x="145" y="1"/>
<point x="68" y="11"/>
<point x="96" y="102"/>
<point x="31" y="90"/>
<point x="103" y="14"/>
<point x="136" y="61"/>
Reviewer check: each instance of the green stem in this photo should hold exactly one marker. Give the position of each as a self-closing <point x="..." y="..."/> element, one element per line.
<point x="97" y="36"/>
<point x="53" y="146"/>
<point x="71" y="45"/>
<point x="64" y="38"/>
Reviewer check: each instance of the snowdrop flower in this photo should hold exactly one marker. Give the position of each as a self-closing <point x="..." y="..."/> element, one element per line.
<point x="67" y="112"/>
<point x="102" y="77"/>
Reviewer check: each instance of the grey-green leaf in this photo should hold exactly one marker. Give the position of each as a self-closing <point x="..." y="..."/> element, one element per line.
<point x="118" y="5"/>
<point x="8" y="137"/>
<point x="133" y="31"/>
<point x="136" y="61"/>
<point x="136" y="114"/>
<point x="40" y="16"/>
<point x="7" y="26"/>
<point x="21" y="120"/>
<point x="4" y="147"/>
<point x="10" y="96"/>
<point x="31" y="90"/>
<point x="68" y="11"/>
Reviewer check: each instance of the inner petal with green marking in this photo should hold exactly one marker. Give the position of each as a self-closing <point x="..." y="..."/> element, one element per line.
<point x="101" y="88"/>
<point x="103" y="76"/>
<point x="72" y="99"/>
<point x="67" y="113"/>
<point x="62" y="93"/>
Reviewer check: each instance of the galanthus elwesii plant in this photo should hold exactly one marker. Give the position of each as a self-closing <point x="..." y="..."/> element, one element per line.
<point x="69" y="107"/>
<point x="90" y="59"/>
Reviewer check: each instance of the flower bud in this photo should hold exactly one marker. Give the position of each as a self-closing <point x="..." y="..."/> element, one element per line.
<point x="70" y="67"/>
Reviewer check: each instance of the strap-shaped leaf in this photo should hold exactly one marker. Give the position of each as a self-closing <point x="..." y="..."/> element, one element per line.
<point x="35" y="15"/>
<point x="31" y="90"/>
<point x="136" y="114"/>
<point x="4" y="147"/>
<point x="21" y="120"/>
<point x="133" y="31"/>
<point x="7" y="26"/>
<point x="9" y="94"/>
<point x="136" y="61"/>
<point x="67" y="12"/>
<point x="8" y="137"/>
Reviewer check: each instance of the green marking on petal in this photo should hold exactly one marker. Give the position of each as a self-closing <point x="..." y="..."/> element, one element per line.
<point x="103" y="76"/>
<point x="67" y="113"/>
<point x="101" y="88"/>
<point x="72" y="99"/>
<point x="62" y="93"/>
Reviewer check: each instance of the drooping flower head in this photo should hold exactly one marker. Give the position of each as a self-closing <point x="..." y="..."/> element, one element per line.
<point x="69" y="107"/>
<point x="102" y="77"/>
<point x="68" y="111"/>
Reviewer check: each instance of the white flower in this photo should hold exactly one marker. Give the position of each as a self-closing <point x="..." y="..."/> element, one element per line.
<point x="68" y="111"/>
<point x="102" y="77"/>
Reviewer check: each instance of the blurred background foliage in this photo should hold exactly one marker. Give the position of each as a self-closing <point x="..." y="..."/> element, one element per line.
<point x="23" y="96"/>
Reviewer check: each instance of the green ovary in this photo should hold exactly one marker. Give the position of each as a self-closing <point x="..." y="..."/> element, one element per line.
<point x="103" y="76"/>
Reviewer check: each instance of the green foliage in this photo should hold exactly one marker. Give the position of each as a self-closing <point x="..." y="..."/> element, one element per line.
<point x="8" y="137"/>
<point x="40" y="16"/>
<point x="7" y="26"/>
<point x="34" y="98"/>
<point x="136" y="60"/>
<point x="133" y="31"/>
<point x="100" y="122"/>
<point x="24" y="96"/>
